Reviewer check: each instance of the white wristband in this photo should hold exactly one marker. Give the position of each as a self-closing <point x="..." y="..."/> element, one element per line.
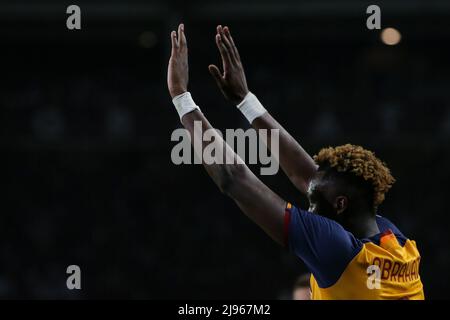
<point x="251" y="108"/>
<point x="184" y="104"/>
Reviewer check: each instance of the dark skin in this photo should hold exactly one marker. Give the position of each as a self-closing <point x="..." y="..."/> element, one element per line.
<point x="236" y="180"/>
<point x="254" y="198"/>
<point x="342" y="204"/>
<point x="294" y="160"/>
<point x="325" y="197"/>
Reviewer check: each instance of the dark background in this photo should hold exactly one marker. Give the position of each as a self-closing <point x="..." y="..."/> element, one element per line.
<point x="86" y="122"/>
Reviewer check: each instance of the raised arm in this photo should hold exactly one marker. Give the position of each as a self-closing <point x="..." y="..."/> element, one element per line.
<point x="294" y="160"/>
<point x="236" y="180"/>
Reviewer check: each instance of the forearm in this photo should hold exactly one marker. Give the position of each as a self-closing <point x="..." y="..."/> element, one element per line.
<point x="236" y="180"/>
<point x="294" y="160"/>
<point x="226" y="165"/>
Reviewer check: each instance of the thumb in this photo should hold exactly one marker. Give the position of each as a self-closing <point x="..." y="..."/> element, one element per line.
<point x="215" y="72"/>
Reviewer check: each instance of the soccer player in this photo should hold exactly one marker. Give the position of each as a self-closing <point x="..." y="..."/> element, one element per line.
<point x="352" y="252"/>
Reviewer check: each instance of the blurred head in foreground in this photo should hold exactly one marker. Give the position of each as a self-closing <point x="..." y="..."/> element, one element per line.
<point x="301" y="290"/>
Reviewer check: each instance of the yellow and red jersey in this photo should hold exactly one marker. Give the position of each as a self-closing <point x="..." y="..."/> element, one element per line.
<point x="385" y="266"/>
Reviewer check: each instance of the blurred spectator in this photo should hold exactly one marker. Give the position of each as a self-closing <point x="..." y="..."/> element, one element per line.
<point x="302" y="289"/>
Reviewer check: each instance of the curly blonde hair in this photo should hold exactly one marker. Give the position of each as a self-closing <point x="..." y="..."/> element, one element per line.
<point x="362" y="163"/>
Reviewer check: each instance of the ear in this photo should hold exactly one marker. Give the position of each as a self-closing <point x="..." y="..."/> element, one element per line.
<point x="340" y="204"/>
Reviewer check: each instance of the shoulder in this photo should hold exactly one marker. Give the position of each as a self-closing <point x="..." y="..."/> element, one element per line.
<point x="323" y="244"/>
<point x="384" y="224"/>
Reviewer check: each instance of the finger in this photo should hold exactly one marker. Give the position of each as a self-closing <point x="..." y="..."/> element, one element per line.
<point x="233" y="46"/>
<point x="173" y="38"/>
<point x="215" y="72"/>
<point x="226" y="59"/>
<point x="227" y="43"/>
<point x="181" y="36"/>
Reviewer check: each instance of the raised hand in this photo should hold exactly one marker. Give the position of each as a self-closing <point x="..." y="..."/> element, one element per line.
<point x="178" y="69"/>
<point x="232" y="82"/>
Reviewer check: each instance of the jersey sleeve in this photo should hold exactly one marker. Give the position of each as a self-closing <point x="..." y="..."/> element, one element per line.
<point x="385" y="224"/>
<point x="323" y="244"/>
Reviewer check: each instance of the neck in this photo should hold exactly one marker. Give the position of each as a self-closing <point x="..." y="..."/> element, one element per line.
<point x="362" y="225"/>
